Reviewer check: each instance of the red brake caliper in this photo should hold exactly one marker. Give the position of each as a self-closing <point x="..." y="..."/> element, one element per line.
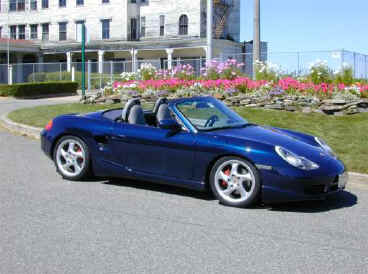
<point x="227" y="173"/>
<point x="79" y="150"/>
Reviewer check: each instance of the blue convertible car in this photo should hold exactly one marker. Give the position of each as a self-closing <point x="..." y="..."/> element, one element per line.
<point x="197" y="143"/>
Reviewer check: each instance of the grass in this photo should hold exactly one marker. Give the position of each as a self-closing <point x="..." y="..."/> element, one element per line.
<point x="347" y="135"/>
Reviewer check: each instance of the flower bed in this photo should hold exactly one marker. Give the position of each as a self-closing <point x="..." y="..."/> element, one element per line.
<point x="226" y="82"/>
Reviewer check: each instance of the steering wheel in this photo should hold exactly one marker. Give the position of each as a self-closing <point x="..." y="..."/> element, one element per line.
<point x="211" y="121"/>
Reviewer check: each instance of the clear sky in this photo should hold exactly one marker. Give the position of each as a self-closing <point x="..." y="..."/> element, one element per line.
<point x="303" y="25"/>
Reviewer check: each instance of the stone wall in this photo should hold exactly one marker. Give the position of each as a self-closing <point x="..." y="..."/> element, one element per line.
<point x="292" y="103"/>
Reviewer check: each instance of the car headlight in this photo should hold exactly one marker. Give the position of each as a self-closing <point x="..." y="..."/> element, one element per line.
<point x="295" y="160"/>
<point x="325" y="146"/>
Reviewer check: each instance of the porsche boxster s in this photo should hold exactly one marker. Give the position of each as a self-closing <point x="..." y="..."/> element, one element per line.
<point x="197" y="143"/>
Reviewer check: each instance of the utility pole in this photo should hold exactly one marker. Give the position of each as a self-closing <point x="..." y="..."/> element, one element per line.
<point x="256" y="35"/>
<point x="209" y="29"/>
<point x="8" y="44"/>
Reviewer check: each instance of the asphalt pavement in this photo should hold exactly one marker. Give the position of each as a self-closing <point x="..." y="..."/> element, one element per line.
<point x="49" y="225"/>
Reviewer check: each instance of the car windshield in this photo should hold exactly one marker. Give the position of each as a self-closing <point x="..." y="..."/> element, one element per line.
<point x="207" y="114"/>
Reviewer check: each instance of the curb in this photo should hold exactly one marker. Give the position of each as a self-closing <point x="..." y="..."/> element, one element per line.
<point x="18" y="128"/>
<point x="34" y="132"/>
<point x="358" y="174"/>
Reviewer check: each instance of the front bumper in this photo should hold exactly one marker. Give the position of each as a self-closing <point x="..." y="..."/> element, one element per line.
<point x="46" y="144"/>
<point x="277" y="188"/>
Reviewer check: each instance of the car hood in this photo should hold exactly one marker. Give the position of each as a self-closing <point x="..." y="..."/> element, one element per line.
<point x="301" y="144"/>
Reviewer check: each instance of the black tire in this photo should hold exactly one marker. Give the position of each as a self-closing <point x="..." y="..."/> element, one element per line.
<point x="85" y="170"/>
<point x="256" y="183"/>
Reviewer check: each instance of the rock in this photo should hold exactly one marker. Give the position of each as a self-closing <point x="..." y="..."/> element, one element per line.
<point x="219" y="96"/>
<point x="288" y="102"/>
<point x="351" y="110"/>
<point x="109" y="101"/>
<point x="245" y="102"/>
<point x="290" y="108"/>
<point x="338" y="102"/>
<point x="252" y="105"/>
<point x="115" y="98"/>
<point x="100" y="100"/>
<point x="307" y="110"/>
<point x="362" y="104"/>
<point x="330" y="109"/>
<point x="338" y="113"/>
<point x="316" y="110"/>
<point x="274" y="106"/>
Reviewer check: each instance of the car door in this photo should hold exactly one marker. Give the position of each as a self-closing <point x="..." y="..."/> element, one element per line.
<point x="149" y="150"/>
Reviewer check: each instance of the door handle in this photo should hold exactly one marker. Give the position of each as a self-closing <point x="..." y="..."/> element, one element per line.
<point x="119" y="137"/>
<point x="101" y="139"/>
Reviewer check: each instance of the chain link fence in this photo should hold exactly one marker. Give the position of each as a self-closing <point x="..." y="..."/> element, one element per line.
<point x="288" y="63"/>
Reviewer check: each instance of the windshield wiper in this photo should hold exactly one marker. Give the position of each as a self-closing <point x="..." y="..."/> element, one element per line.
<point x="228" y="127"/>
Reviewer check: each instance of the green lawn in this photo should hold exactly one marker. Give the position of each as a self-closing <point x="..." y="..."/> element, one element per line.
<point x="348" y="135"/>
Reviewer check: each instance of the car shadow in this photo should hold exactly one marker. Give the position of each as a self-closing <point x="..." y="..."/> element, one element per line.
<point x="337" y="201"/>
<point x="173" y="190"/>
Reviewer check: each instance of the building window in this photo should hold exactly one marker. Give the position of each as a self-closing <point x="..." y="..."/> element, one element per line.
<point x="105" y="1"/>
<point x="133" y="1"/>
<point x="80" y="2"/>
<point x="62" y="31"/>
<point x="183" y="25"/>
<point x="162" y="25"/>
<point x="78" y="31"/>
<point x="33" y="4"/>
<point x="133" y="29"/>
<point x="45" y="31"/>
<point x="143" y="26"/>
<point x="13" y="32"/>
<point x="22" y="32"/>
<point x="62" y="3"/>
<point x="45" y="4"/>
<point x="21" y="5"/>
<point x="34" y="32"/>
<point x="1" y="32"/>
<point x="12" y="5"/>
<point x="105" y="28"/>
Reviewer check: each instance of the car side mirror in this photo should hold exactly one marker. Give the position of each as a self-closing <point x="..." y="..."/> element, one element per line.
<point x="171" y="125"/>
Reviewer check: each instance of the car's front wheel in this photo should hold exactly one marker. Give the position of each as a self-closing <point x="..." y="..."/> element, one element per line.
<point x="235" y="182"/>
<point x="71" y="157"/>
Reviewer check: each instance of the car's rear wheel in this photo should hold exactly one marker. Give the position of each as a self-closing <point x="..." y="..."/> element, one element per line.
<point x="235" y="182"/>
<point x="71" y="157"/>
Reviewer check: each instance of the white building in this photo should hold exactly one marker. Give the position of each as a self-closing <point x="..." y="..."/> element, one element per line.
<point x="117" y="30"/>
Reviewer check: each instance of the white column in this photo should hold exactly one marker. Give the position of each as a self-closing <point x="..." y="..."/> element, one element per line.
<point x="169" y="58"/>
<point x="205" y="48"/>
<point x="100" y="60"/>
<point x="209" y="28"/>
<point x="133" y="53"/>
<point x="69" y="58"/>
<point x="10" y="74"/>
<point x="73" y="73"/>
<point x="19" y="68"/>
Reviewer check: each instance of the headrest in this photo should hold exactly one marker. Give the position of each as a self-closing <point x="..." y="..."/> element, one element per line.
<point x="128" y="106"/>
<point x="158" y="103"/>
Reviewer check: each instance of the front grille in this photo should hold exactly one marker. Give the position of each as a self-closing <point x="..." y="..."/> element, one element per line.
<point x="315" y="189"/>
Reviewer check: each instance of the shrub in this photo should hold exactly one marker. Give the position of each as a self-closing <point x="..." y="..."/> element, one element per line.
<point x="268" y="71"/>
<point x="345" y="75"/>
<point x="37" y="89"/>
<point x="320" y="73"/>
<point x="215" y="70"/>
<point x="97" y="80"/>
<point x="147" y="71"/>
